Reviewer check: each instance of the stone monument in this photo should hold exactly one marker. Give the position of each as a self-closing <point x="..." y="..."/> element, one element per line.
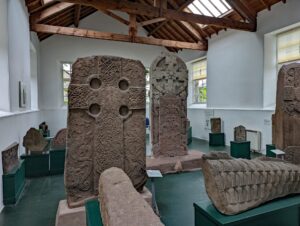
<point x="60" y="139"/>
<point x="216" y="125"/>
<point x="169" y="81"/>
<point x="286" y="120"/>
<point x="34" y="141"/>
<point x="236" y="185"/>
<point x="10" y="158"/>
<point x="240" y="134"/>
<point x="106" y="124"/>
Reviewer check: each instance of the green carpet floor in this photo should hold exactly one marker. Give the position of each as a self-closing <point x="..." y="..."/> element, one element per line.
<point x="175" y="196"/>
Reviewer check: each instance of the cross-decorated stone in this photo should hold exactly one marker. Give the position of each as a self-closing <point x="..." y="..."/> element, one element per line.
<point x="106" y="124"/>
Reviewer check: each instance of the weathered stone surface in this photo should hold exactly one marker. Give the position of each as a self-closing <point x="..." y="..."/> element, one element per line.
<point x="121" y="204"/>
<point x="10" y="158"/>
<point x="286" y="121"/>
<point x="106" y="124"/>
<point x="60" y="139"/>
<point x="236" y="185"/>
<point x="169" y="80"/>
<point x="216" y="125"/>
<point x="43" y="127"/>
<point x="240" y="134"/>
<point x="34" y="141"/>
<point x="190" y="162"/>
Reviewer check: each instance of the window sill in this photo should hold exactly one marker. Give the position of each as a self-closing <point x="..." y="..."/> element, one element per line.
<point x="4" y="114"/>
<point x="197" y="106"/>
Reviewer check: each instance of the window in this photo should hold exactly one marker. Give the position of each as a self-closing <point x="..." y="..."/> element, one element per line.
<point x="147" y="85"/>
<point x="288" y="47"/>
<point x="216" y="8"/>
<point x="199" y="82"/>
<point x="66" y="73"/>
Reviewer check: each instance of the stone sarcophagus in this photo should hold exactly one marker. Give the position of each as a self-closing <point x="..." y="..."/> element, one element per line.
<point x="106" y="124"/>
<point x="286" y="120"/>
<point x="169" y="80"/>
<point x="236" y="185"/>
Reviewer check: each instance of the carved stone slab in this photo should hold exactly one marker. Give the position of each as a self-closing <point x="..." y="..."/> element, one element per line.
<point x="106" y="124"/>
<point x="10" y="158"/>
<point x="60" y="139"/>
<point x="236" y="185"/>
<point x="169" y="79"/>
<point x="215" y="125"/>
<point x="286" y="121"/>
<point x="240" y="134"/>
<point x="34" y="141"/>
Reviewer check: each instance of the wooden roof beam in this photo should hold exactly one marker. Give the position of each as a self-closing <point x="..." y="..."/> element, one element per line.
<point x="148" y="10"/>
<point x="115" y="16"/>
<point x="85" y="33"/>
<point x="246" y="12"/>
<point x="50" y="11"/>
<point x="151" y="21"/>
<point x="77" y="15"/>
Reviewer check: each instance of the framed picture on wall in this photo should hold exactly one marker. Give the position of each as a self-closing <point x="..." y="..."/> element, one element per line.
<point x="22" y="95"/>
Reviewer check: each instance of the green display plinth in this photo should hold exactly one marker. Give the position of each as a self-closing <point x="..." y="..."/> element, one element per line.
<point x="13" y="184"/>
<point x="217" y="139"/>
<point x="189" y="135"/>
<point x="240" y="149"/>
<point x="57" y="161"/>
<point x="92" y="211"/>
<point x="281" y="212"/>
<point x="270" y="147"/>
<point x="36" y="165"/>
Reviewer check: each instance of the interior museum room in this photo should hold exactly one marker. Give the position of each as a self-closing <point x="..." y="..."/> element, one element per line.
<point x="150" y="112"/>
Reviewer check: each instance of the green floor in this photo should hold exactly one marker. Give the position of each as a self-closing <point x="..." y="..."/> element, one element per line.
<point x="175" y="196"/>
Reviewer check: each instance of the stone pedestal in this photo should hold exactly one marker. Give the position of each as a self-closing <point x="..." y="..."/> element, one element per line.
<point x="191" y="161"/>
<point x="66" y="216"/>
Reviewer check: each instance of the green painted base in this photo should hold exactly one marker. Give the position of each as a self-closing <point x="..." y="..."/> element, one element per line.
<point x="281" y="212"/>
<point x="13" y="184"/>
<point x="216" y="139"/>
<point x="270" y="147"/>
<point x="189" y="135"/>
<point x="93" y="216"/>
<point x="36" y="165"/>
<point x="57" y="161"/>
<point x="240" y="149"/>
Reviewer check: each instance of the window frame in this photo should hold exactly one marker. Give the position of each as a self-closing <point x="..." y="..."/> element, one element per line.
<point x="193" y="87"/>
<point x="65" y="103"/>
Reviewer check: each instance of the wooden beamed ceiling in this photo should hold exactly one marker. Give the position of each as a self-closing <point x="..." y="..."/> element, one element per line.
<point x="168" y="23"/>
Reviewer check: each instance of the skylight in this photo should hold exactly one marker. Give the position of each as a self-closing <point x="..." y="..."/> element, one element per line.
<point x="213" y="8"/>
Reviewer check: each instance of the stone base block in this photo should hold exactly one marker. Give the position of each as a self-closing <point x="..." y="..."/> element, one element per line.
<point x="66" y="216"/>
<point x="191" y="161"/>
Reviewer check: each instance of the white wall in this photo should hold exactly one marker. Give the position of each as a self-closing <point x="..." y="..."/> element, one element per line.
<point x="57" y="49"/>
<point x="15" y="67"/>
<point x="19" y="51"/>
<point x="239" y="90"/>
<point x="4" y="82"/>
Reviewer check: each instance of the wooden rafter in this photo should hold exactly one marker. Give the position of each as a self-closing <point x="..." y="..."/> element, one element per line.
<point x="50" y="11"/>
<point x="184" y="5"/>
<point x="77" y="15"/>
<point x="115" y="16"/>
<point x="78" y="32"/>
<point x="245" y="11"/>
<point x="151" y="21"/>
<point x="132" y="26"/>
<point x="142" y="9"/>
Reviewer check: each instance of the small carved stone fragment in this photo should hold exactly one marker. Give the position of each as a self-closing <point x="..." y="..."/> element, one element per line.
<point x="10" y="158"/>
<point x="216" y="124"/>
<point x="240" y="134"/>
<point x="34" y="141"/>
<point x="60" y="139"/>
